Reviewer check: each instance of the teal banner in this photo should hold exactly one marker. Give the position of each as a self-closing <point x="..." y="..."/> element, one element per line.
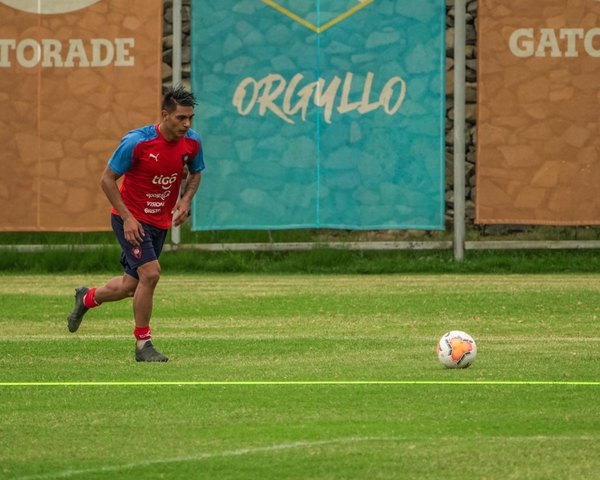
<point x="326" y="114"/>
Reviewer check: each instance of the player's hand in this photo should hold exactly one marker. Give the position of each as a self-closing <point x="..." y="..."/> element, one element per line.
<point x="133" y="230"/>
<point x="181" y="212"/>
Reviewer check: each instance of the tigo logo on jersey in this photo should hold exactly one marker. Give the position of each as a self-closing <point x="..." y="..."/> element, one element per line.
<point x="164" y="181"/>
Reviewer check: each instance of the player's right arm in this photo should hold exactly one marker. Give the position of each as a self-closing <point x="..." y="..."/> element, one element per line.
<point x="132" y="229"/>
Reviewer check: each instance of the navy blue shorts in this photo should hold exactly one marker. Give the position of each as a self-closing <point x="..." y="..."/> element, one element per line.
<point x="149" y="250"/>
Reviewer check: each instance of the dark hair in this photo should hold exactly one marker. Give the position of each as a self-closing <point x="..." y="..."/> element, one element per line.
<point x="177" y="96"/>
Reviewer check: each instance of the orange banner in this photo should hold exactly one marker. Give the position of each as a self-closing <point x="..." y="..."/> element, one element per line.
<point x="75" y="76"/>
<point x="538" y="123"/>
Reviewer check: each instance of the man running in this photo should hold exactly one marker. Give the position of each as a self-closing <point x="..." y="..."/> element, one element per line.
<point x="152" y="161"/>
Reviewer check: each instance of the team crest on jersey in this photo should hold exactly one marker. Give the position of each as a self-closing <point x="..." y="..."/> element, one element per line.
<point x="137" y="252"/>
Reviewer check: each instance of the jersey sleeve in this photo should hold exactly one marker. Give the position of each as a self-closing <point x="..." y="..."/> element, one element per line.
<point x="122" y="158"/>
<point x="197" y="163"/>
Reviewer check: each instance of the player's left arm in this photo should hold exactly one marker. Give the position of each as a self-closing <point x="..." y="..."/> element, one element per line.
<point x="184" y="205"/>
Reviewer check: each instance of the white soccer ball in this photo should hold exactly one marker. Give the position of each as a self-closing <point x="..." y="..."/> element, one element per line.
<point x="456" y="349"/>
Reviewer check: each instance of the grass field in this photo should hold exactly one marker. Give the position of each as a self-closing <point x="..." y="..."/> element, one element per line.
<point x="304" y="377"/>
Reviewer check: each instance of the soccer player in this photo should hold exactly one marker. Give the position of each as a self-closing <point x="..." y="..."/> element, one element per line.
<point x="152" y="161"/>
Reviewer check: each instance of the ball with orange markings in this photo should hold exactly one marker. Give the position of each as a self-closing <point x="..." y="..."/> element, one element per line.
<point x="456" y="349"/>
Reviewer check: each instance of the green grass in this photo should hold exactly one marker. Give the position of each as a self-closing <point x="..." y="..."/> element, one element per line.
<point x="319" y="261"/>
<point x="200" y="415"/>
<point x="473" y="232"/>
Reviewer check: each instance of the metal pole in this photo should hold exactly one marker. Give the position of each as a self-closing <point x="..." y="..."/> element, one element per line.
<point x="460" y="9"/>
<point x="176" y="67"/>
<point x="176" y="61"/>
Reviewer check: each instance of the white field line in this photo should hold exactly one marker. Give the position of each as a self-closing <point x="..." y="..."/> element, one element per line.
<point x="286" y="446"/>
<point x="206" y="456"/>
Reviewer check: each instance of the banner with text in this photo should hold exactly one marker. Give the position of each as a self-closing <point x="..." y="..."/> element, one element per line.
<point x="320" y="113"/>
<point x="538" y="127"/>
<point x="75" y="76"/>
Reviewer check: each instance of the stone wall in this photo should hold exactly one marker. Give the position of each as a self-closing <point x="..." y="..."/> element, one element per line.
<point x="167" y="73"/>
<point x="471" y="91"/>
<point x="471" y="109"/>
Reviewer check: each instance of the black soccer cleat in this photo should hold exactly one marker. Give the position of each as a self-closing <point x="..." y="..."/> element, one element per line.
<point x="149" y="354"/>
<point x="76" y="316"/>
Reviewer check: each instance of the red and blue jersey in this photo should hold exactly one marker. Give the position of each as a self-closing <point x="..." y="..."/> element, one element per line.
<point x="152" y="170"/>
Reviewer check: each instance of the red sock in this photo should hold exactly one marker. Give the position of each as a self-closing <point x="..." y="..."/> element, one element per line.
<point x="89" y="301"/>
<point x="142" y="333"/>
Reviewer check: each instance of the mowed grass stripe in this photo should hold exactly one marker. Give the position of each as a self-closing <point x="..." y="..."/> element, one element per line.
<point x="300" y="383"/>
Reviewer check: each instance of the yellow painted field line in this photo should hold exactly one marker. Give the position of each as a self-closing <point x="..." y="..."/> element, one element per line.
<point x="298" y="383"/>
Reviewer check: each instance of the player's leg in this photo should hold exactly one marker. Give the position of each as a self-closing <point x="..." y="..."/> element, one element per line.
<point x="143" y="299"/>
<point x="148" y="272"/>
<point x="116" y="289"/>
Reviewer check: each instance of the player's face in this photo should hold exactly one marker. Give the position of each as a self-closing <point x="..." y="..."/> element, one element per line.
<point x="175" y="124"/>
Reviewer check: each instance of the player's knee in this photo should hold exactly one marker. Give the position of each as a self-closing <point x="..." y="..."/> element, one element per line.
<point x="150" y="273"/>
